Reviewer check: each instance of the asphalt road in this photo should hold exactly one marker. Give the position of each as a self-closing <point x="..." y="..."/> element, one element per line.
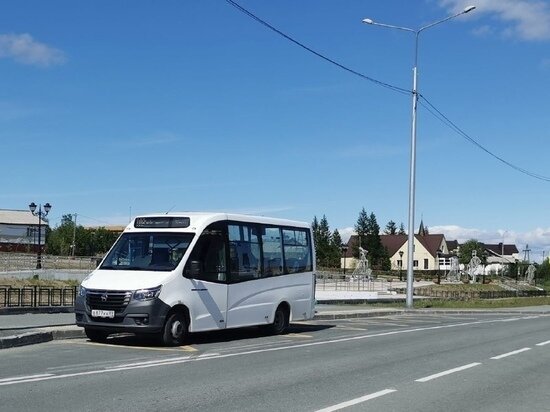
<point x="414" y="362"/>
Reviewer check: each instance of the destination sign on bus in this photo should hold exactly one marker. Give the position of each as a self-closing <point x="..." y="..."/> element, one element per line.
<point x="161" y="222"/>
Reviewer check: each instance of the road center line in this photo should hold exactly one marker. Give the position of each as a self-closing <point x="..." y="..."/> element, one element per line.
<point x="543" y="343"/>
<point x="515" y="352"/>
<point x="448" y="372"/>
<point x="357" y="400"/>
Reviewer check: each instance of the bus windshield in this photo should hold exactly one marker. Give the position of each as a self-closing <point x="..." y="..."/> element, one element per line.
<point x="147" y="251"/>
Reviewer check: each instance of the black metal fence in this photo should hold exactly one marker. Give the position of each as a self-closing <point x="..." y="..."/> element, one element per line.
<point x="37" y="296"/>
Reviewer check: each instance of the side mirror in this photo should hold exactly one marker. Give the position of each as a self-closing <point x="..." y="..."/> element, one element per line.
<point x="193" y="269"/>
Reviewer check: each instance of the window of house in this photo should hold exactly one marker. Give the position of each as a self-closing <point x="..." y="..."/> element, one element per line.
<point x="426" y="264"/>
<point x="415" y="263"/>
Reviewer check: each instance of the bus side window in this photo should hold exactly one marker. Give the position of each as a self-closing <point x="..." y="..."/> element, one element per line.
<point x="207" y="260"/>
<point x="244" y="252"/>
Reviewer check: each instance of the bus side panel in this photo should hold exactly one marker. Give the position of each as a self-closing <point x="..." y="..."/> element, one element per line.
<point x="254" y="302"/>
<point x="206" y="301"/>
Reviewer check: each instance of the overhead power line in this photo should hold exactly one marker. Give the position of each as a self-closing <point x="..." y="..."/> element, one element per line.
<point x="309" y="49"/>
<point x="445" y="120"/>
<point x="429" y="107"/>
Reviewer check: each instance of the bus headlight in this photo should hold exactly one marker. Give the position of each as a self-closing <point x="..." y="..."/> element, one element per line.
<point x="82" y="291"/>
<point x="147" y="294"/>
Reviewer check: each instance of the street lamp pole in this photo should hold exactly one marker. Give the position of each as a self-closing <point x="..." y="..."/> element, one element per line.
<point x="41" y="214"/>
<point x="412" y="172"/>
<point x="344" y="248"/>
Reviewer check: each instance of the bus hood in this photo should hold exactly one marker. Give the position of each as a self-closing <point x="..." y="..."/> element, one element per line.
<point x="124" y="279"/>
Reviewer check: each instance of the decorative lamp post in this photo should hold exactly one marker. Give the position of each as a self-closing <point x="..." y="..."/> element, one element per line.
<point x="41" y="214"/>
<point x="400" y="265"/>
<point x="344" y="249"/>
<point x="439" y="252"/>
<point x="412" y="173"/>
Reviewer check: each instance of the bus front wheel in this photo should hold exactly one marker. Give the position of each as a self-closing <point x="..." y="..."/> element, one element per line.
<point x="96" y="335"/>
<point x="175" y="330"/>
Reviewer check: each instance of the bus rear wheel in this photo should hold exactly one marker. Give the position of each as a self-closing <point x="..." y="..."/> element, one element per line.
<point x="280" y="321"/>
<point x="175" y="330"/>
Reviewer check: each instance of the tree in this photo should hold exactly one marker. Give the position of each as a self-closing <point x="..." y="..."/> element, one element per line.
<point x="391" y="228"/>
<point x="466" y="249"/>
<point x="377" y="254"/>
<point x="335" y="249"/>
<point x="361" y="228"/>
<point x="543" y="271"/>
<point x="401" y="229"/>
<point x="322" y="239"/>
<point x="368" y="232"/>
<point x="88" y="241"/>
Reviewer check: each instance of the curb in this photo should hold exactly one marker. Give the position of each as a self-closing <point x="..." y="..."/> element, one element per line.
<point x="36" y="310"/>
<point x="25" y="339"/>
<point x="350" y="315"/>
<point x="40" y="336"/>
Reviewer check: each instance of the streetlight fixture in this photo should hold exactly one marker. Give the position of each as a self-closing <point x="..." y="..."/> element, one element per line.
<point x="412" y="174"/>
<point x="41" y="214"/>
<point x="400" y="264"/>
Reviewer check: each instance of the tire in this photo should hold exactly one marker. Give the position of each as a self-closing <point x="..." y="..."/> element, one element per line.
<point x="96" y="335"/>
<point x="280" y="321"/>
<point x="175" y="330"/>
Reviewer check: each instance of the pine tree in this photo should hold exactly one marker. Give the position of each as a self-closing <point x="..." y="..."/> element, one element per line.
<point x="401" y="229"/>
<point x="335" y="249"/>
<point x="391" y="228"/>
<point x="361" y="228"/>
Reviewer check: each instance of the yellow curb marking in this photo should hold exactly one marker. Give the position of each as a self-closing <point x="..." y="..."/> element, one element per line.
<point x="179" y="348"/>
<point x="298" y="335"/>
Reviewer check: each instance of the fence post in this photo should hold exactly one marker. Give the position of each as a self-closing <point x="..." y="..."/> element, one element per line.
<point x="35" y="303"/>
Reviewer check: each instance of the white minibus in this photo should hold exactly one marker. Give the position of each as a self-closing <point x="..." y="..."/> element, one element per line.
<point x="176" y="273"/>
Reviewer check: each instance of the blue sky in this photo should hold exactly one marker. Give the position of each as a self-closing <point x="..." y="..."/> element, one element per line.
<point x="115" y="108"/>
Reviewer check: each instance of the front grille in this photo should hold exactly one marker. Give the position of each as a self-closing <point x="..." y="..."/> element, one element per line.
<point x="108" y="299"/>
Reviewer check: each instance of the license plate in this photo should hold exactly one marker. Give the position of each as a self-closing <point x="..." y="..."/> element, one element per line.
<point x="103" y="313"/>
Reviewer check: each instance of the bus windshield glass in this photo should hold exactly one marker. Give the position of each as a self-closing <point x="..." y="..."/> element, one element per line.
<point x="147" y="251"/>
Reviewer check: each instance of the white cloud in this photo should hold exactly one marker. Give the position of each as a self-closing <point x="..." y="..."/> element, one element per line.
<point x="525" y="19"/>
<point x="24" y="49"/>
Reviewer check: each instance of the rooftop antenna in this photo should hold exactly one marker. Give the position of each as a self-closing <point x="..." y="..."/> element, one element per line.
<point x="169" y="210"/>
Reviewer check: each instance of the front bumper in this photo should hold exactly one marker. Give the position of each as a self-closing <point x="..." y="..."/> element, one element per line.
<point x="136" y="317"/>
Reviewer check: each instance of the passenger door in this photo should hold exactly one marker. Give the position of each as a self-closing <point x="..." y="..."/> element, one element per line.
<point x="206" y="270"/>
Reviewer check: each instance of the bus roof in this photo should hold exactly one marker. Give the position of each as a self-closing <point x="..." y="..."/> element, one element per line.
<point x="199" y="220"/>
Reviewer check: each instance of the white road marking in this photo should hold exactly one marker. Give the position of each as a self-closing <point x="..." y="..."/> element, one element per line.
<point x="357" y="400"/>
<point x="515" y="352"/>
<point x="349" y="328"/>
<point x="20" y="378"/>
<point x="543" y="343"/>
<point x="447" y="372"/>
<point x="156" y="362"/>
<point x="253" y="352"/>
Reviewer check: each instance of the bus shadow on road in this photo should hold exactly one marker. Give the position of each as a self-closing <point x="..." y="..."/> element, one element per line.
<point x="228" y="335"/>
